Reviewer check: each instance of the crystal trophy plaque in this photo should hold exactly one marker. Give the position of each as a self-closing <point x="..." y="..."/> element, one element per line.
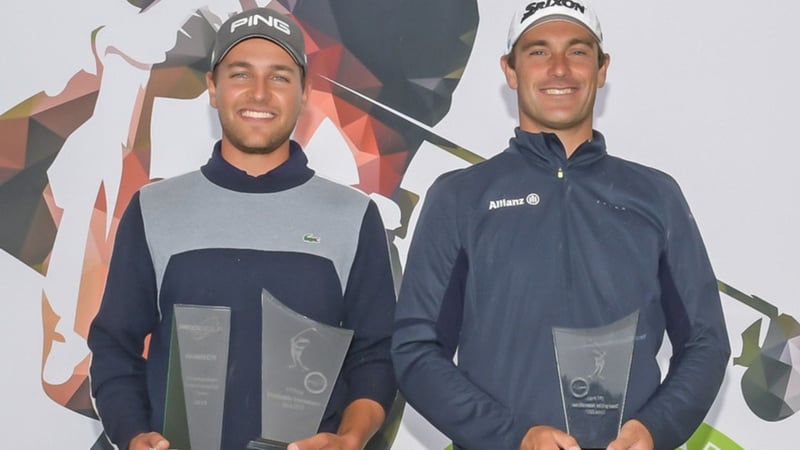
<point x="593" y="367"/>
<point x="301" y="360"/>
<point x="198" y="365"/>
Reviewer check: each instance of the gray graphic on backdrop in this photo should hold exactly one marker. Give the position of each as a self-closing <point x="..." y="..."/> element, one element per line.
<point x="771" y="383"/>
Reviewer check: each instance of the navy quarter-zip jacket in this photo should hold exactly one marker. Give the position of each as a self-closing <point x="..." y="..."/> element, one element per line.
<point x="529" y="240"/>
<point x="217" y="236"/>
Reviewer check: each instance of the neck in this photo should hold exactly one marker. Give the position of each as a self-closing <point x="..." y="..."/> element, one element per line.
<point x="571" y="138"/>
<point x="255" y="164"/>
<point x="571" y="141"/>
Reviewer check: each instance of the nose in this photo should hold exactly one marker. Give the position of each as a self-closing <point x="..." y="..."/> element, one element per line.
<point x="260" y="90"/>
<point x="558" y="65"/>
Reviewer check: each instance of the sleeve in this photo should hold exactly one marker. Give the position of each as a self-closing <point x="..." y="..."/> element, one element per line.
<point x="696" y="329"/>
<point x="116" y="337"/>
<point x="370" y="302"/>
<point x="427" y="324"/>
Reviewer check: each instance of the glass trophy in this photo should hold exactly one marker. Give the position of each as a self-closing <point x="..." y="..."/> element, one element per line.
<point x="301" y="360"/>
<point x="593" y="367"/>
<point x="198" y="365"/>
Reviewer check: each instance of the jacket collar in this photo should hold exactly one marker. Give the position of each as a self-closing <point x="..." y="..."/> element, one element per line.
<point x="546" y="149"/>
<point x="293" y="172"/>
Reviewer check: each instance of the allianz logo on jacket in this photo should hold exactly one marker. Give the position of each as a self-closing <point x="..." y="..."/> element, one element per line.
<point x="531" y="199"/>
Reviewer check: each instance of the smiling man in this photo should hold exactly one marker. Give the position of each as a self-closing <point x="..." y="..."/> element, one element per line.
<point x="554" y="237"/>
<point x="254" y="217"/>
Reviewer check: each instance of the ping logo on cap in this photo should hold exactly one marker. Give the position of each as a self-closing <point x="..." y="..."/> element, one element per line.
<point x="256" y="19"/>
<point x="532" y="8"/>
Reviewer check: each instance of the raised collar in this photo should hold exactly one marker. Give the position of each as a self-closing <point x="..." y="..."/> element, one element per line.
<point x="546" y="149"/>
<point x="293" y="172"/>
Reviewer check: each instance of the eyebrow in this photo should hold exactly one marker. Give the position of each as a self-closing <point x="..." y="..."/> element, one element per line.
<point x="545" y="43"/>
<point x="248" y="65"/>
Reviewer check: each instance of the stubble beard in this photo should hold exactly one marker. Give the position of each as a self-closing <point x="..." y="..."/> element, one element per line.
<point x="270" y="146"/>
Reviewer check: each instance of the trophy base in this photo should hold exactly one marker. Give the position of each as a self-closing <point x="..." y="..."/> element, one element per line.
<point x="266" y="444"/>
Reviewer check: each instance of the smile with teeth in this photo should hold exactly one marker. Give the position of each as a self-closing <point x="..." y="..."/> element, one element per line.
<point x="258" y="114"/>
<point x="557" y="91"/>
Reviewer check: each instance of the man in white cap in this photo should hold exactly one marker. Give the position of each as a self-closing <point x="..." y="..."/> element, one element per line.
<point x="254" y="218"/>
<point x="555" y="269"/>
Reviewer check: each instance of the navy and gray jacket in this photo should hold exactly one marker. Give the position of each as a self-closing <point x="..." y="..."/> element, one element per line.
<point x="529" y="240"/>
<point x="218" y="236"/>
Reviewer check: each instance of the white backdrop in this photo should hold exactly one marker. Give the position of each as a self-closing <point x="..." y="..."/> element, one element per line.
<point x="706" y="91"/>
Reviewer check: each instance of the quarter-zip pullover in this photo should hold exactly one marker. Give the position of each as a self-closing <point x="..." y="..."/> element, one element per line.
<point x="529" y="240"/>
<point x="218" y="236"/>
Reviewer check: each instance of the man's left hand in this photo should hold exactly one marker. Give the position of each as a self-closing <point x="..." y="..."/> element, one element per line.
<point x="632" y="436"/>
<point x="325" y="441"/>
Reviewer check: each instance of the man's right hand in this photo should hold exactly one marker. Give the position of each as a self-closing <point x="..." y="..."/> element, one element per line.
<point x="148" y="441"/>
<point x="543" y="437"/>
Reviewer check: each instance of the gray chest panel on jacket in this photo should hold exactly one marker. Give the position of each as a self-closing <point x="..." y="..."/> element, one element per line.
<point x="189" y="212"/>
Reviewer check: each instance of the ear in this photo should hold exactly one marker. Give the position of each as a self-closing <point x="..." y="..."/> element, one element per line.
<point x="509" y="72"/>
<point x="212" y="89"/>
<point x="603" y="71"/>
<point x="306" y="89"/>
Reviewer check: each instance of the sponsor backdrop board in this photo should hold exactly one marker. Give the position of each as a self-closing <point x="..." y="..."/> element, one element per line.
<point x="99" y="97"/>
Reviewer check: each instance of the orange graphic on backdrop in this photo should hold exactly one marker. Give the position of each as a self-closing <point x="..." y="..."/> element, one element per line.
<point x="372" y="66"/>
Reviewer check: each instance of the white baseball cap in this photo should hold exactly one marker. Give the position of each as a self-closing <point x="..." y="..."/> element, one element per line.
<point x="529" y="14"/>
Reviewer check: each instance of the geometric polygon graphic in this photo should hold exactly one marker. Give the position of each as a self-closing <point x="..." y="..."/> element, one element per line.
<point x="771" y="384"/>
<point x="381" y="71"/>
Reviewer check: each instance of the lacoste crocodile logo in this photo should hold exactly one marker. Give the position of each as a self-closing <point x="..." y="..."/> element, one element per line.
<point x="311" y="238"/>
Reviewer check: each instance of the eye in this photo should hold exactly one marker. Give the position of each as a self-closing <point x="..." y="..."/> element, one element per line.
<point x="281" y="78"/>
<point x="581" y="50"/>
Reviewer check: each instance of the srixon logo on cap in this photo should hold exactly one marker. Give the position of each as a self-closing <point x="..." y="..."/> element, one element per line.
<point x="256" y="19"/>
<point x="536" y="6"/>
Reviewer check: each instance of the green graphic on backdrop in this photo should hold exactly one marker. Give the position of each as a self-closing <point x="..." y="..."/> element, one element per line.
<point x="708" y="438"/>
